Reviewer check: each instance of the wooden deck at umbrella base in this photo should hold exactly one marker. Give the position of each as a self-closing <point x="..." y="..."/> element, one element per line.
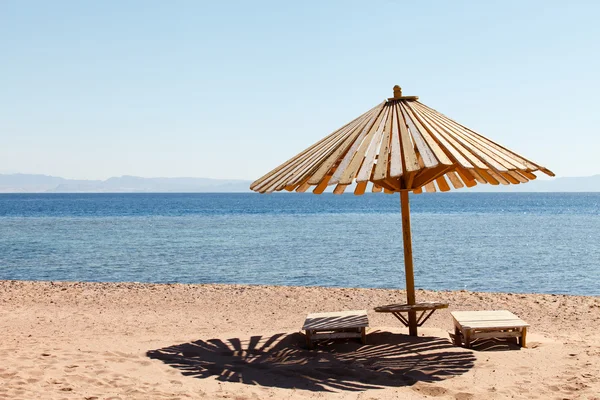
<point x="426" y="309"/>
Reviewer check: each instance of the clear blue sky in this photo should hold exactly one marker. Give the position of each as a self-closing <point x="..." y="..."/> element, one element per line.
<point x="93" y="89"/>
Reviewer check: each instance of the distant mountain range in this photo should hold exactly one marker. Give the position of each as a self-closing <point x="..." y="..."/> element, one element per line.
<point x="25" y="183"/>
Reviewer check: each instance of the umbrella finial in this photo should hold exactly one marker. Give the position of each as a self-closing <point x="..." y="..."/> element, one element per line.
<point x="397" y="92"/>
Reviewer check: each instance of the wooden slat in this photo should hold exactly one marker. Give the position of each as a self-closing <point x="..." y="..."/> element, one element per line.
<point x="455" y="180"/>
<point x="392" y="184"/>
<point x="376" y="188"/>
<point x="308" y="166"/>
<point x="485" y="176"/>
<point x="385" y="185"/>
<point x="360" y="188"/>
<point x="314" y="147"/>
<point x="442" y="184"/>
<point x="355" y="154"/>
<point x="511" y="178"/>
<point x="440" y="154"/>
<point x="472" y="146"/>
<point x="475" y="143"/>
<point x="302" y="170"/>
<point x="417" y="190"/>
<point x="498" y="176"/>
<point x="457" y="132"/>
<point x="447" y="146"/>
<point x="491" y="324"/>
<point x="396" y="168"/>
<point x="339" y="189"/>
<point x="519" y="177"/>
<point x="467" y="160"/>
<point x="490" y="335"/>
<point x="476" y="175"/>
<point x="528" y="163"/>
<point x="409" y="179"/>
<point x="425" y="152"/>
<point x="547" y="171"/>
<point x="326" y="166"/>
<point x="429" y="175"/>
<point x="335" y="335"/>
<point x="461" y="315"/>
<point x="466" y="177"/>
<point x="430" y="187"/>
<point x="320" y="188"/>
<point x="336" y="320"/>
<point x="407" y="146"/>
<point x="374" y="144"/>
<point x="529" y="175"/>
<point x="383" y="160"/>
<point x="310" y="160"/>
<point x="303" y="187"/>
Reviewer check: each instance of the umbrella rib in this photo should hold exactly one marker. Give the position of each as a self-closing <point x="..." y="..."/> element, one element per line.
<point x="288" y="173"/>
<point x="344" y="151"/>
<point x="499" y="158"/>
<point x="360" y="188"/>
<point x="396" y="162"/>
<point x="317" y="160"/>
<point x="268" y="179"/>
<point x="383" y="160"/>
<point x="502" y="149"/>
<point x="507" y="153"/>
<point x="364" y="173"/>
<point x="355" y="155"/>
<point x="442" y="184"/>
<point x="427" y="156"/>
<point x="286" y="163"/>
<point x="472" y="161"/>
<point x="485" y="155"/>
<point x="466" y="177"/>
<point x="340" y="133"/>
<point x="407" y="147"/>
<point x="455" y="180"/>
<point x="433" y="145"/>
<point x="455" y="150"/>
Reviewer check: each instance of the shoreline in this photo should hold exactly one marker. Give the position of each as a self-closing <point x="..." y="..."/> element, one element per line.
<point x="257" y="285"/>
<point x="137" y="340"/>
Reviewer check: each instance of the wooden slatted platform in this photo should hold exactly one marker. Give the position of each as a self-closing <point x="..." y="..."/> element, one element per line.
<point x="336" y="325"/>
<point x="426" y="310"/>
<point x="471" y="325"/>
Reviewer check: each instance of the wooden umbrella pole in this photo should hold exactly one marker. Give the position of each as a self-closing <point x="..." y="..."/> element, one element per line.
<point x="408" y="261"/>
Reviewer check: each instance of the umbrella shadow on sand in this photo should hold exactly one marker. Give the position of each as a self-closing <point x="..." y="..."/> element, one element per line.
<point x="281" y="360"/>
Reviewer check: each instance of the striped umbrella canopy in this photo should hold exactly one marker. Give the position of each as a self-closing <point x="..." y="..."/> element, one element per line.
<point x="400" y="145"/>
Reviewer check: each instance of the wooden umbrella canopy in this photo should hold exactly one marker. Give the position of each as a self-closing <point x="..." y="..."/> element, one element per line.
<point x="400" y="145"/>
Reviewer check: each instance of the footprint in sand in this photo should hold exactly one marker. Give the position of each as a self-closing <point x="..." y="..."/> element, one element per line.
<point x="464" y="396"/>
<point x="429" y="390"/>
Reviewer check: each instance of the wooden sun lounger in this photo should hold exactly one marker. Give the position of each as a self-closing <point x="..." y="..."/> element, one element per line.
<point x="336" y="325"/>
<point x="471" y="325"/>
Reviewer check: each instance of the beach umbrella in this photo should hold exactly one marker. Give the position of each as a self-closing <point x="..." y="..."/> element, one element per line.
<point x="401" y="145"/>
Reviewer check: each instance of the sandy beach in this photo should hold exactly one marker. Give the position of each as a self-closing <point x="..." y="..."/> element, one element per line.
<point x="145" y="341"/>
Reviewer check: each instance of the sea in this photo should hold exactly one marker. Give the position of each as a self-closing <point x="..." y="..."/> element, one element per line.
<point x="494" y="242"/>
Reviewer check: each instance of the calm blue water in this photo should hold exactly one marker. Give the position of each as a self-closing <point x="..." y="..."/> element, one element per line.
<point x="512" y="242"/>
